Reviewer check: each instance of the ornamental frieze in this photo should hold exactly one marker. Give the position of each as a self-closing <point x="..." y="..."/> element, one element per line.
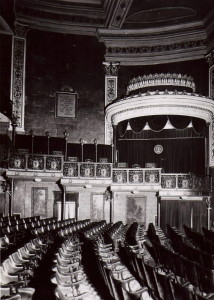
<point x="161" y="48"/>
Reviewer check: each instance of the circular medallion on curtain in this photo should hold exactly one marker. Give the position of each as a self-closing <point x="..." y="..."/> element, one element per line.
<point x="158" y="149"/>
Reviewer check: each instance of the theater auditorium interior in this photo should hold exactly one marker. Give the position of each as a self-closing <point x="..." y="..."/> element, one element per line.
<point x="107" y="149"/>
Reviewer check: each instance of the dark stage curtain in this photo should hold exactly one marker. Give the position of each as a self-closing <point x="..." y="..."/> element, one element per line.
<point x="199" y="125"/>
<point x="122" y="128"/>
<point x="157" y="123"/>
<point x="175" y="213"/>
<point x="178" y="213"/>
<point x="137" y="124"/>
<point x="179" y="155"/>
<point x="199" y="215"/>
<point x="179" y="122"/>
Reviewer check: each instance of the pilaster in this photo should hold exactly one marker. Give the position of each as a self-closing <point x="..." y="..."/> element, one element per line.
<point x="210" y="60"/>
<point x="18" y="75"/>
<point x="111" y="82"/>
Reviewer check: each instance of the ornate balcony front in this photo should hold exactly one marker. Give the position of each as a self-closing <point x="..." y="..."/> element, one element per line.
<point x="81" y="173"/>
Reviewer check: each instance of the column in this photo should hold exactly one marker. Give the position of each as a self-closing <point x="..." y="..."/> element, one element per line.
<point x="111" y="76"/>
<point x="210" y="59"/>
<point x="17" y="88"/>
<point x="63" y="203"/>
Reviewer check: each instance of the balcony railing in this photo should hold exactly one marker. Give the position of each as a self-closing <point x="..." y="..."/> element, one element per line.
<point x="36" y="162"/>
<point x="137" y="176"/>
<point x="87" y="170"/>
<point x="185" y="182"/>
<point x="119" y="176"/>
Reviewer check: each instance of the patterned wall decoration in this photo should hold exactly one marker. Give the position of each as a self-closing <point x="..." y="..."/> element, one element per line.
<point x="136" y="209"/>
<point x="111" y="75"/>
<point x="212" y="142"/>
<point x="97" y="207"/>
<point x="18" y="75"/>
<point x="39" y="201"/>
<point x="211" y="83"/>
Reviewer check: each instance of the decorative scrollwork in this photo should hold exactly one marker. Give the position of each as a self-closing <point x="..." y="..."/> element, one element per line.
<point x="168" y="181"/>
<point x="17" y="161"/>
<point x="103" y="170"/>
<point x="36" y="162"/>
<point x="87" y="170"/>
<point x="70" y="169"/>
<point x="161" y="80"/>
<point x="136" y="176"/>
<point x="185" y="182"/>
<point x="152" y="176"/>
<point x="53" y="163"/>
<point x="120" y="176"/>
<point x="111" y="68"/>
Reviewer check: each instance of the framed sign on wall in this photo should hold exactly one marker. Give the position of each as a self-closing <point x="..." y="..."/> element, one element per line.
<point x="66" y="104"/>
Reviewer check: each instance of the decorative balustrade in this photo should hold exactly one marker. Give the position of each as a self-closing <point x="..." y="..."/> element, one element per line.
<point x="35" y="162"/>
<point x="89" y="170"/>
<point x="185" y="182"/>
<point x="137" y="176"/>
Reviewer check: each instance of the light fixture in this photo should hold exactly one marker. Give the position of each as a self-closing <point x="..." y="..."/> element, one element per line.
<point x="37" y="179"/>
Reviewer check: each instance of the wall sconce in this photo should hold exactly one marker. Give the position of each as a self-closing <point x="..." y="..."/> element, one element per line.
<point x="88" y="186"/>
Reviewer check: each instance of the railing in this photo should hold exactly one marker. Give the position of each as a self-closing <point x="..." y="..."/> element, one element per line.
<point x="185" y="181"/>
<point x="87" y="170"/>
<point x="90" y="170"/>
<point x="137" y="176"/>
<point x="36" y="162"/>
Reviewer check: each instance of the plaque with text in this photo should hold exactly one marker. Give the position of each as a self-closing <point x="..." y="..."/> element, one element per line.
<point x="66" y="105"/>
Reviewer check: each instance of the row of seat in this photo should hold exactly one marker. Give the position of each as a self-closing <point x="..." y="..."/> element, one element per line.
<point x="17" y="220"/>
<point x="18" y="269"/>
<point x="70" y="277"/>
<point x="162" y="274"/>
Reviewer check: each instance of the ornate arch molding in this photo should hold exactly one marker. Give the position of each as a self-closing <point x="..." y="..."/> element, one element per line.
<point x="161" y="104"/>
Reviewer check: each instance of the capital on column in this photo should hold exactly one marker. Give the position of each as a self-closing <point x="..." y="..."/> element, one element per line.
<point x="210" y="58"/>
<point x="20" y="29"/>
<point x="111" y="68"/>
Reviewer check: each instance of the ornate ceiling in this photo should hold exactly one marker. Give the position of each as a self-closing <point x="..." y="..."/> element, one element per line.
<point x="133" y="31"/>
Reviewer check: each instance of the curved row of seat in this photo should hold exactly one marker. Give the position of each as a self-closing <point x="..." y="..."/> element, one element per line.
<point x="18" y="267"/>
<point x="170" y="274"/>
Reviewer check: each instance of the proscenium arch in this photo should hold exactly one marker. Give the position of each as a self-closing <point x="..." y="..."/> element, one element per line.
<point x="163" y="104"/>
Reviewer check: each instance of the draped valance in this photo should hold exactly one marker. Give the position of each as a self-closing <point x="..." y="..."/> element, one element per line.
<point x="158" y="122"/>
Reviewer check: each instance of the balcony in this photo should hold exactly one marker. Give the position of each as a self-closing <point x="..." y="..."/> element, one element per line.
<point x="37" y="165"/>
